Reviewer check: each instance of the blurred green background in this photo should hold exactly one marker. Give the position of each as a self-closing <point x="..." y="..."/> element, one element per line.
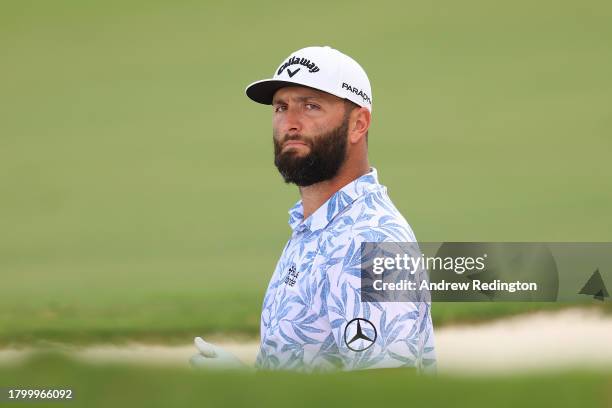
<point x="139" y="199"/>
<point x="105" y="386"/>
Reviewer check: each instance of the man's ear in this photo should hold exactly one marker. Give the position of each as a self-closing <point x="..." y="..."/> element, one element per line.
<point x="359" y="123"/>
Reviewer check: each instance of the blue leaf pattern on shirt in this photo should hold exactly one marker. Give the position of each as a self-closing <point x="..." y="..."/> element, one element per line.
<point x="303" y="322"/>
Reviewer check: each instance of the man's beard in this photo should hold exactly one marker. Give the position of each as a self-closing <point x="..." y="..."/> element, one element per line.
<point x="327" y="153"/>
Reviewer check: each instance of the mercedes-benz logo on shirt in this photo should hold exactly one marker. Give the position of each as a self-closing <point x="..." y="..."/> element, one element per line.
<point x="359" y="334"/>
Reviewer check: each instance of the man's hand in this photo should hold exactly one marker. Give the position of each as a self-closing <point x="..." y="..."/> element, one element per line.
<point x="211" y="356"/>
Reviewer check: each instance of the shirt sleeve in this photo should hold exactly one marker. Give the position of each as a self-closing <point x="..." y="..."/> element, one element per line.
<point x="375" y="334"/>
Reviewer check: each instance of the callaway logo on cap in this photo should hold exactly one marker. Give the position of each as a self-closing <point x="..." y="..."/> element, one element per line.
<point x="322" y="68"/>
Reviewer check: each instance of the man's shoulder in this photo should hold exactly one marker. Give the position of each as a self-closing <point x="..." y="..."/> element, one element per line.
<point x="374" y="218"/>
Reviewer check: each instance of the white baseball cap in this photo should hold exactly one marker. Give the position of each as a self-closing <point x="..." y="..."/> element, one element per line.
<point x="322" y="68"/>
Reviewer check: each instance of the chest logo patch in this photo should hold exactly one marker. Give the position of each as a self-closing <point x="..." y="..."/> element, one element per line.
<point x="292" y="276"/>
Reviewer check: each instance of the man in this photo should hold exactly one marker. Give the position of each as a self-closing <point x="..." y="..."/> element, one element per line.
<point x="314" y="316"/>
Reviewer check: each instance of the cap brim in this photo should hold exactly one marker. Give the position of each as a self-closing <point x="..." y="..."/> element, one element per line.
<point x="263" y="91"/>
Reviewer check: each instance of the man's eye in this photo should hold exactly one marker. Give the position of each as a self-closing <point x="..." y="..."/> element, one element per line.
<point x="279" y="108"/>
<point x="311" y="106"/>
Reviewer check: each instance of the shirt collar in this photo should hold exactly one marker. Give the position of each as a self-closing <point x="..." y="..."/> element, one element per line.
<point x="336" y="203"/>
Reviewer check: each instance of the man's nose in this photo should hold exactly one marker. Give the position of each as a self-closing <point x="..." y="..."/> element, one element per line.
<point x="292" y="121"/>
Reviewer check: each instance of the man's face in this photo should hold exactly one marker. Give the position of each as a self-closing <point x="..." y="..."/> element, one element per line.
<point x="310" y="134"/>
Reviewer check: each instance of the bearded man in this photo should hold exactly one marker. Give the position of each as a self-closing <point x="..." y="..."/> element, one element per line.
<point x="314" y="316"/>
